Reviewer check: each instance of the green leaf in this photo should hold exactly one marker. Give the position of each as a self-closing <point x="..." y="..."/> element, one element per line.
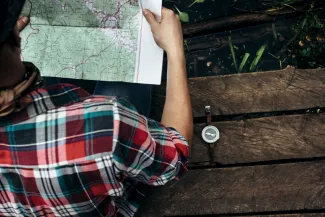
<point x="183" y="16"/>
<point x="274" y="31"/>
<point x="243" y="62"/>
<point x="232" y="52"/>
<point x="196" y="1"/>
<point x="289" y="1"/>
<point x="258" y="56"/>
<point x="281" y="63"/>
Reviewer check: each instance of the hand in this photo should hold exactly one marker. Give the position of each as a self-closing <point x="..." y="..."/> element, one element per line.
<point x="168" y="33"/>
<point x="22" y="23"/>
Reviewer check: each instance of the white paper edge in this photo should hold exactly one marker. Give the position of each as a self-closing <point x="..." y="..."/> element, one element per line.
<point x="149" y="59"/>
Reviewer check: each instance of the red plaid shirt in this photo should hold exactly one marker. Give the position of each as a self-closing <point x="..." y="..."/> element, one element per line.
<point x="67" y="153"/>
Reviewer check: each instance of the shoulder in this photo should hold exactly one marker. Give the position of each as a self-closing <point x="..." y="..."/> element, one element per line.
<point x="67" y="98"/>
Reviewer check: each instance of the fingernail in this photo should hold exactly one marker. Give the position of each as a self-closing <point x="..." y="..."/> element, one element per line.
<point x="145" y="12"/>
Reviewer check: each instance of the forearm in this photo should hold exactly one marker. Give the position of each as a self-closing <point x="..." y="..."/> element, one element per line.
<point x="177" y="111"/>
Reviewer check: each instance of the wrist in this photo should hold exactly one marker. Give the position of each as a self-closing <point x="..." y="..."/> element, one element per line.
<point x="176" y="54"/>
<point x="176" y="63"/>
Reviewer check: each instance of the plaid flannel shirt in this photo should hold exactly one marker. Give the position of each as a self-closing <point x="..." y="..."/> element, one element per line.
<point x="67" y="153"/>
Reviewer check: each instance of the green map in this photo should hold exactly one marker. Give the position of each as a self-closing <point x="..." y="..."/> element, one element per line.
<point x="83" y="39"/>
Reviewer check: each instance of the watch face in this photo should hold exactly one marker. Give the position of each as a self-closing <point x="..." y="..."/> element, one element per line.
<point x="210" y="134"/>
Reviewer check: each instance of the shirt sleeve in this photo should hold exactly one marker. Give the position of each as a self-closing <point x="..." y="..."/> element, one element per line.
<point x="145" y="150"/>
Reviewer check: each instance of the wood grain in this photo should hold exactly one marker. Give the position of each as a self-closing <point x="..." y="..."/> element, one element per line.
<point x="289" y="89"/>
<point x="288" y="215"/>
<point x="218" y="40"/>
<point x="241" y="190"/>
<point x="239" y="21"/>
<point x="264" y="139"/>
<point x="277" y="215"/>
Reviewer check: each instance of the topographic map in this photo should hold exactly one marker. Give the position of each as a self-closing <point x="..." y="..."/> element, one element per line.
<point x="83" y="39"/>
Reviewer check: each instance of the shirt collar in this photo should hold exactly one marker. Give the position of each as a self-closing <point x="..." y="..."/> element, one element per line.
<point x="40" y="100"/>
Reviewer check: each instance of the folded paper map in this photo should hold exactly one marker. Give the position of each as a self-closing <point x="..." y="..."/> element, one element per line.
<point x="106" y="40"/>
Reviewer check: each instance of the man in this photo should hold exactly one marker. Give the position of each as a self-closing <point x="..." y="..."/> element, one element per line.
<point x="64" y="152"/>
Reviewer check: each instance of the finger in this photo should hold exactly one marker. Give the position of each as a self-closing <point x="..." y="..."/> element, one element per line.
<point x="150" y="18"/>
<point x="164" y="9"/>
<point x="22" y="22"/>
<point x="167" y="11"/>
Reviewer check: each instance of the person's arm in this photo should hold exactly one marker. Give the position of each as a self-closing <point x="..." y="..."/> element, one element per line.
<point x="177" y="111"/>
<point x="168" y="35"/>
<point x="146" y="150"/>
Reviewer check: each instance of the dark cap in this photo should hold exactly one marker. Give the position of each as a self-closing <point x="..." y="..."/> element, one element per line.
<point x="9" y="14"/>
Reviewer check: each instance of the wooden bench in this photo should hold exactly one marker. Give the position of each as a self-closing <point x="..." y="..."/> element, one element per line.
<point x="270" y="160"/>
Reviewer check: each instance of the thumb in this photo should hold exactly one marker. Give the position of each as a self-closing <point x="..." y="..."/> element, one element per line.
<point x="150" y="18"/>
<point x="22" y="22"/>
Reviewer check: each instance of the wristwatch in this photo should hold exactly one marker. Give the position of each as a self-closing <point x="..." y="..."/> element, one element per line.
<point x="210" y="134"/>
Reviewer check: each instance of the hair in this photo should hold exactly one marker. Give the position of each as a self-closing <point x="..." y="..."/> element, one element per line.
<point x="13" y="40"/>
<point x="13" y="91"/>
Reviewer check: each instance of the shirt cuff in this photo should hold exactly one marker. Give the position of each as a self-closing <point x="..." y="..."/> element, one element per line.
<point x="183" y="149"/>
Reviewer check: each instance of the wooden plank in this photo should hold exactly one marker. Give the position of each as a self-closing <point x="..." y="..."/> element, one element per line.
<point x="213" y="10"/>
<point x="242" y="36"/>
<point x="240" y="21"/>
<point x="241" y="190"/>
<point x="276" y="215"/>
<point x="289" y="89"/>
<point x="264" y="139"/>
<point x="290" y="215"/>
